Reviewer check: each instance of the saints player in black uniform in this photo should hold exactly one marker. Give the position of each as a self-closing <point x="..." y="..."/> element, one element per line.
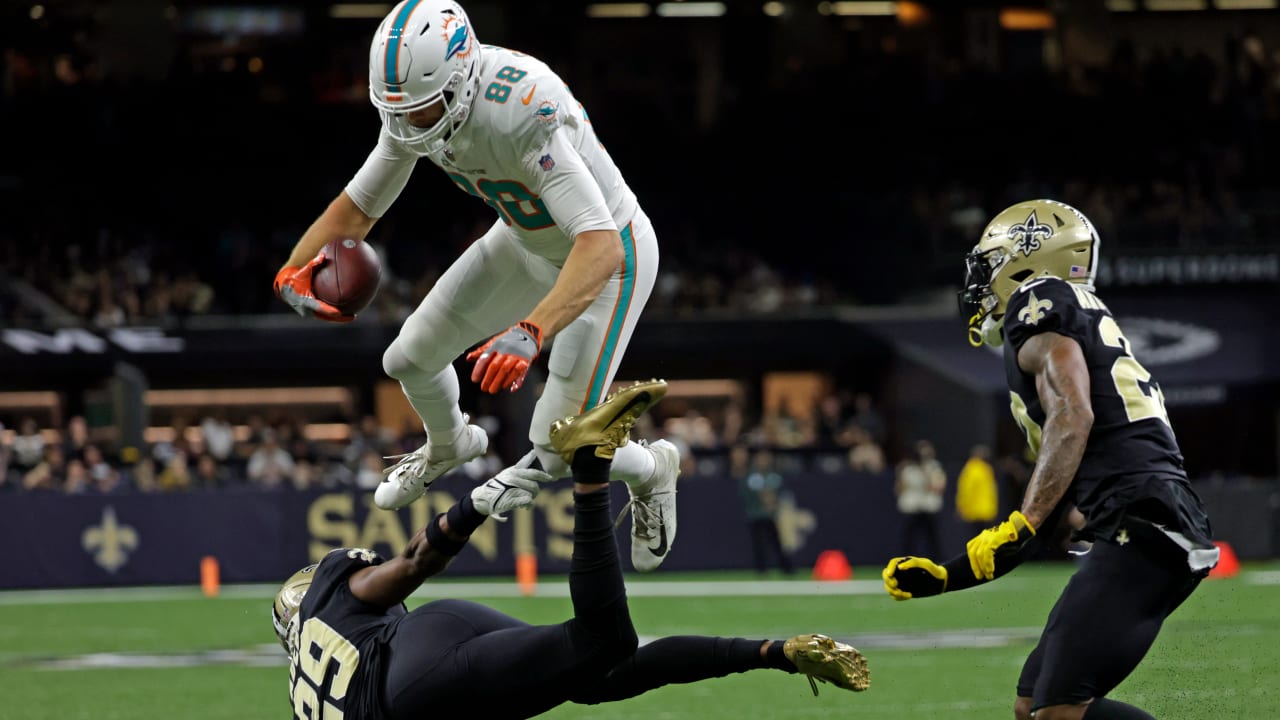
<point x="1096" y="419"/>
<point x="357" y="653"/>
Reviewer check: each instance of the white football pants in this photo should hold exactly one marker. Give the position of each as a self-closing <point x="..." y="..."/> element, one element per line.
<point x="493" y="285"/>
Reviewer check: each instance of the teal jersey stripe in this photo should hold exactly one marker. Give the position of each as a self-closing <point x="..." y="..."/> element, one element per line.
<point x="619" y="318"/>
<point x="393" y="44"/>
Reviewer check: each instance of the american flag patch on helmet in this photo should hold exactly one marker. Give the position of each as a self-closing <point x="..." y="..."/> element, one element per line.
<point x="1077" y="271"/>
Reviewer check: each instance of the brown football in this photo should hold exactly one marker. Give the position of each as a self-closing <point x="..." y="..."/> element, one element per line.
<point x="348" y="278"/>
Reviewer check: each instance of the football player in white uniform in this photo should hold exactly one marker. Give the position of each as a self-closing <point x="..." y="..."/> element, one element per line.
<point x="571" y="256"/>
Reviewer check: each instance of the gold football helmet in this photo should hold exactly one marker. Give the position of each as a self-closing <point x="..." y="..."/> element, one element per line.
<point x="285" y="609"/>
<point x="1033" y="239"/>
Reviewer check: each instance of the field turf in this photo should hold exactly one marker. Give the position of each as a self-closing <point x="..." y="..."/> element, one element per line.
<point x="171" y="653"/>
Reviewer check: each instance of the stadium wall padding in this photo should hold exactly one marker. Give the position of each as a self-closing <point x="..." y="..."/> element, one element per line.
<point x="258" y="536"/>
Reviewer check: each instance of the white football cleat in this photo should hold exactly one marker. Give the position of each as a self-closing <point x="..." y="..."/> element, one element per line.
<point x="653" y="509"/>
<point x="408" y="479"/>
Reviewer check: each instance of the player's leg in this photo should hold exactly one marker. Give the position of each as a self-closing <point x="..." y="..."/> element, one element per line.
<point x="688" y="659"/>
<point x="491" y="286"/>
<point x="1027" y="678"/>
<point x="584" y="358"/>
<point x="1105" y="622"/>
<point x="585" y="355"/>
<point x="521" y="671"/>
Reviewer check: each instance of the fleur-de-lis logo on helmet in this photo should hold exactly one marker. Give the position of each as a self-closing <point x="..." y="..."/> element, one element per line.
<point x="1027" y="234"/>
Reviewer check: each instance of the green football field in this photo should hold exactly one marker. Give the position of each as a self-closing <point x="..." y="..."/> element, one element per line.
<point x="171" y="653"/>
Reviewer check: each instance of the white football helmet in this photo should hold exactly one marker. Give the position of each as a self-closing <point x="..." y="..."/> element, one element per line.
<point x="424" y="52"/>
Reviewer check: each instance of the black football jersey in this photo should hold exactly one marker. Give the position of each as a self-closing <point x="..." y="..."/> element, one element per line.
<point x="339" y="644"/>
<point x="1131" y="462"/>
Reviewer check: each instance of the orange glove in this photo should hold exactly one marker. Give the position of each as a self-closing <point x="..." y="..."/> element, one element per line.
<point x="293" y="285"/>
<point x="505" y="359"/>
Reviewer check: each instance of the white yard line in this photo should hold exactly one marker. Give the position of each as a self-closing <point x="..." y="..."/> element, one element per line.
<point x="553" y="588"/>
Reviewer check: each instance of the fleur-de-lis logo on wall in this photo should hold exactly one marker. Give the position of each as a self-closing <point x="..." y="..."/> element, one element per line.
<point x="110" y="542"/>
<point x="795" y="524"/>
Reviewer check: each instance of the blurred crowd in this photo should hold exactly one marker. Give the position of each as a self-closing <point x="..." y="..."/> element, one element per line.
<point x="219" y="449"/>
<point x="1179" y="156"/>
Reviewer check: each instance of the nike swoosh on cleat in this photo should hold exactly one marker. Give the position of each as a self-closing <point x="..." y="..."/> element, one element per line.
<point x="661" y="550"/>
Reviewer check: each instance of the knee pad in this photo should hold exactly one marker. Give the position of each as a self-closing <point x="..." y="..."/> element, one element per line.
<point x="427" y="343"/>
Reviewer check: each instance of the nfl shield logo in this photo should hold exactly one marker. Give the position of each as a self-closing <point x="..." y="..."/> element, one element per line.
<point x="546" y="162"/>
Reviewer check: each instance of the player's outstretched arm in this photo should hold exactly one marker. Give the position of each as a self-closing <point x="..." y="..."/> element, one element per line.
<point x="342" y="219"/>
<point x="432" y="549"/>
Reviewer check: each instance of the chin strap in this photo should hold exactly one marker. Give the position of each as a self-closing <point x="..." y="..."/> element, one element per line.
<point x="975" y="330"/>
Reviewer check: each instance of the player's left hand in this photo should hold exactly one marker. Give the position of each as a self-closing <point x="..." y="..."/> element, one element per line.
<point x="512" y="489"/>
<point x="1007" y="537"/>
<point x="503" y="362"/>
<point x="914" y="577"/>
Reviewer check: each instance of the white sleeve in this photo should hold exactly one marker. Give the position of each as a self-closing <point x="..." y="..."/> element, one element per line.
<point x="378" y="182"/>
<point x="567" y="187"/>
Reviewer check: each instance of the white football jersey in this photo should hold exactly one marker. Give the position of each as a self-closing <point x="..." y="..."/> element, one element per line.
<point x="528" y="150"/>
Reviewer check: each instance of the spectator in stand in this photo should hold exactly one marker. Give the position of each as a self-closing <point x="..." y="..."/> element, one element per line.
<point x="977" y="497"/>
<point x="918" y="487"/>
<point x="210" y="473"/>
<point x="219" y="436"/>
<point x="865" y="455"/>
<point x="176" y="475"/>
<point x="760" y="490"/>
<point x="867" y="417"/>
<point x="101" y="472"/>
<point x="78" y="481"/>
<point x="76" y="438"/>
<point x="270" y="465"/>
<point x="28" y="446"/>
<point x="49" y="473"/>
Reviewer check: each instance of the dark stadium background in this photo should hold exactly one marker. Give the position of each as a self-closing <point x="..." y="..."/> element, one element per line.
<point x="814" y="177"/>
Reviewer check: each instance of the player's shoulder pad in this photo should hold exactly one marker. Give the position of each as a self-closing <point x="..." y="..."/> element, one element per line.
<point x="1049" y="305"/>
<point x="341" y="562"/>
<point x="537" y="104"/>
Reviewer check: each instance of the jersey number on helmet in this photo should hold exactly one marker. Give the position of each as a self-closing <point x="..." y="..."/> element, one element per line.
<point x="321" y="652"/>
<point x="1129" y="376"/>
<point x="514" y="203"/>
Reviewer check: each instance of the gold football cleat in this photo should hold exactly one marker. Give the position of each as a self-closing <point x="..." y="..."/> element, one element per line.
<point x="818" y="656"/>
<point x="607" y="425"/>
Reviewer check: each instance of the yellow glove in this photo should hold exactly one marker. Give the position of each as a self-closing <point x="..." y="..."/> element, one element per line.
<point x="914" y="577"/>
<point x="1006" y="537"/>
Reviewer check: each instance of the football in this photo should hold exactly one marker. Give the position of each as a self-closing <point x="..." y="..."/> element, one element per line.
<point x="348" y="279"/>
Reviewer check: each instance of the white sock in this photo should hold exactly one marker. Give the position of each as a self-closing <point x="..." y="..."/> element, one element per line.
<point x="435" y="399"/>
<point x="633" y="464"/>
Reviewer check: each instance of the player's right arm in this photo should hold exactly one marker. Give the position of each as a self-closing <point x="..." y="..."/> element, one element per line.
<point x="351" y="215"/>
<point x="431" y="550"/>
<point x="390" y="583"/>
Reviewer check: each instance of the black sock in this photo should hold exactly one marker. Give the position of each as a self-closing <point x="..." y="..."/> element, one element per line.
<point x="777" y="659"/>
<point x="1104" y="709"/>
<point x="595" y="573"/>
<point x="589" y="469"/>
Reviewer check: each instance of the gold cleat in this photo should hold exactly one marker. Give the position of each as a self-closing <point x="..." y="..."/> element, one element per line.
<point x="818" y="656"/>
<point x="607" y="425"/>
